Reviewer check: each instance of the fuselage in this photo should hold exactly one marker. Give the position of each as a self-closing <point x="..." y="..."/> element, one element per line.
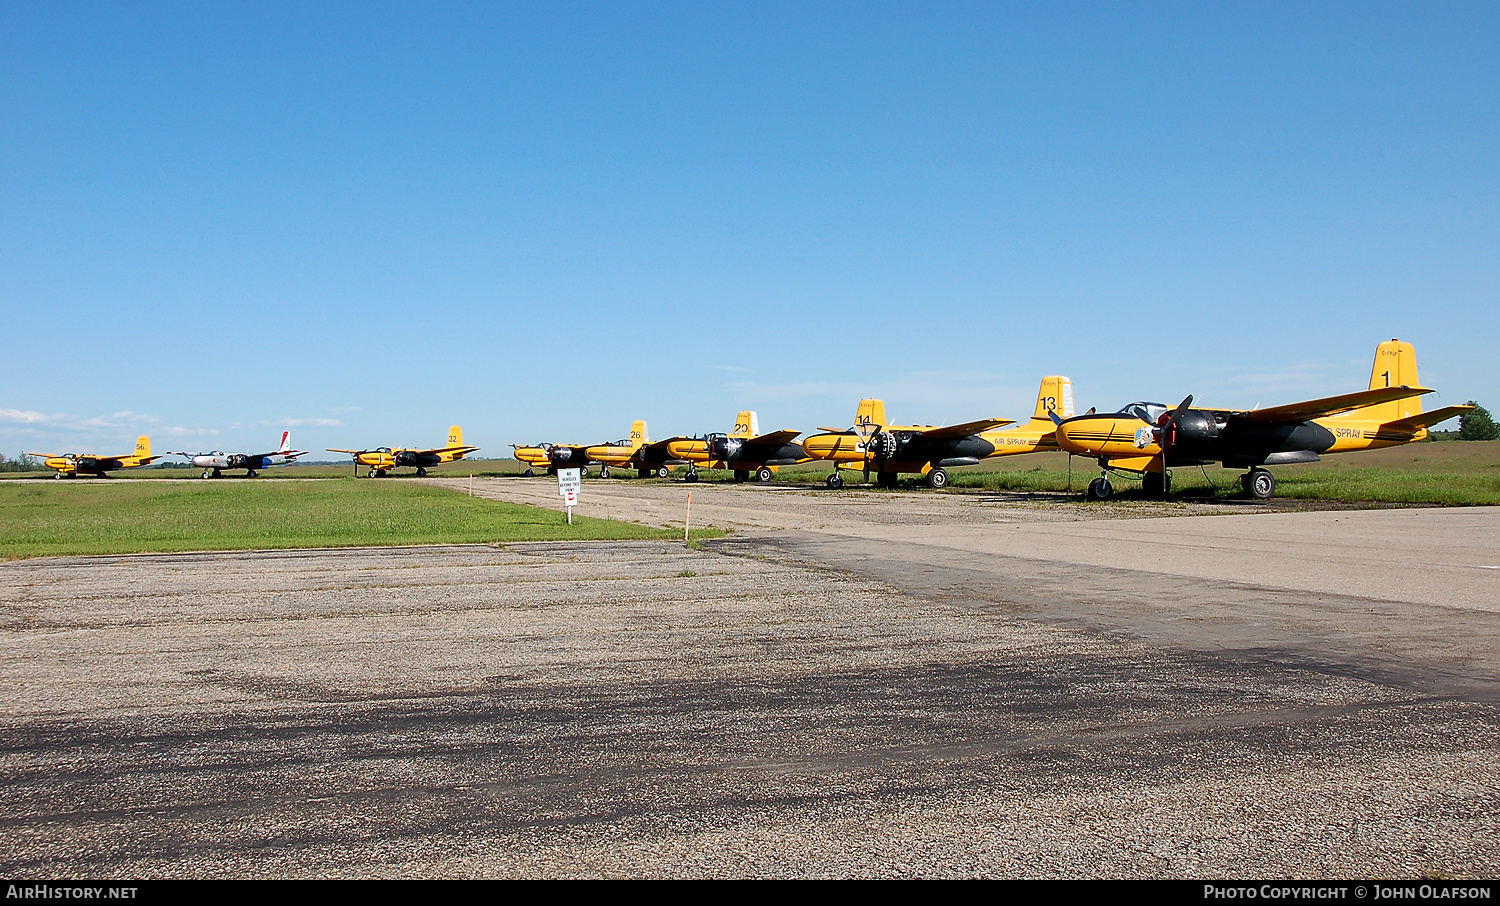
<point x="251" y="461"/>
<point x="724" y="452"/>
<point x="905" y="448"/>
<point x="1214" y="435"/>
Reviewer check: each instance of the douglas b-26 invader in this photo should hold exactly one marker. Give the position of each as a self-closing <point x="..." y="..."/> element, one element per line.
<point x="383" y="459"/>
<point x="71" y="465"/>
<point x="1149" y="438"/>
<point x="888" y="450"/>
<point x="213" y="464"/>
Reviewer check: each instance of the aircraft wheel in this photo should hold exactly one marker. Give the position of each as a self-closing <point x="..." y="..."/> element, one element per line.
<point x="764" y="474"/>
<point x="937" y="478"/>
<point x="691" y="477"/>
<point x="663" y="472"/>
<point x="604" y="471"/>
<point x="421" y="473"/>
<point x="60" y="475"/>
<point x="835" y="481"/>
<point x="250" y="473"/>
<point x="741" y="474"/>
<point x="1100" y="489"/>
<point x="208" y="473"/>
<point x="1260" y="484"/>
<point x="529" y="473"/>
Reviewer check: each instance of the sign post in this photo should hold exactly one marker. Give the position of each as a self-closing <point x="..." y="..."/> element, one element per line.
<point x="569" y="482"/>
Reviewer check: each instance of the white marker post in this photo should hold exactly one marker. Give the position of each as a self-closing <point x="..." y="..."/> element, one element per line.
<point x="688" y="519"/>
<point x="569" y="482"/>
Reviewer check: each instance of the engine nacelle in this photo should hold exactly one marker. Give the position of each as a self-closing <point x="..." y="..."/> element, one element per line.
<point x="1196" y="431"/>
<point x="406" y="458"/>
<point x="727" y="449"/>
<point x="239" y="461"/>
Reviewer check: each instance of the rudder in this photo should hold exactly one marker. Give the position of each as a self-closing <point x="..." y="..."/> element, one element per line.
<point x="455" y="437"/>
<point x="1395" y="366"/>
<point x="746" y="424"/>
<point x="638" y="434"/>
<point x="870" y="412"/>
<point x="1055" y="395"/>
<point x="143" y="446"/>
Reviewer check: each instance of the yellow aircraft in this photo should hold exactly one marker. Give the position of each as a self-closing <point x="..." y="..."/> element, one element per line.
<point x="536" y="456"/>
<point x="1149" y="438"/>
<point x="384" y="459"/>
<point x="636" y="451"/>
<point x="872" y="445"/>
<point x="71" y="465"/>
<point x="744" y="450"/>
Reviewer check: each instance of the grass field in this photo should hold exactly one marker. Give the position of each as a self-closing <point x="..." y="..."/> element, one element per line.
<point x="83" y="516"/>
<point x="1441" y="472"/>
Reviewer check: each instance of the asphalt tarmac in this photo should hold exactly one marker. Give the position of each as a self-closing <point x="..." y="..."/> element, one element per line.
<point x="852" y="684"/>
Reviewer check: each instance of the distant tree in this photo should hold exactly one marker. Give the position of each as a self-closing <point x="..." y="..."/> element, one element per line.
<point x="1477" y="425"/>
<point x="22" y="463"/>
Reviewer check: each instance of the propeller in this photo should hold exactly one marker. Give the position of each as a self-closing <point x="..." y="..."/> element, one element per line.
<point x="1167" y="426"/>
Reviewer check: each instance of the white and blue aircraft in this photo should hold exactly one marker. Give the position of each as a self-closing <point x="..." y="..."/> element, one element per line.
<point x="213" y="464"/>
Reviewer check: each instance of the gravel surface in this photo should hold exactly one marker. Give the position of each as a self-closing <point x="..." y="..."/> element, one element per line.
<point x="640" y="709"/>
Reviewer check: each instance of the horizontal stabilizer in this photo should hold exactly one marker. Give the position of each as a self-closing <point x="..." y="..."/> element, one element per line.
<point x="1426" y="419"/>
<point x="1331" y="405"/>
<point x="966" y="429"/>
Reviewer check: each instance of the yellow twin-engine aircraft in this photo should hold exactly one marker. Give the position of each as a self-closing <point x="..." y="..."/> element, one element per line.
<point x="636" y="451"/>
<point x="71" y="465"/>
<point x="383" y="459"/>
<point x="1150" y="438"/>
<point x="744" y="450"/>
<point x="536" y="456"/>
<point x="872" y="445"/>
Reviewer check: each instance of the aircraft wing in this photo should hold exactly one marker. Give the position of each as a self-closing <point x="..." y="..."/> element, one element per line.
<point x="446" y="450"/>
<point x="334" y="450"/>
<point x="1331" y="405"/>
<point x="776" y="438"/>
<point x="966" y="429"/>
<point x="1427" y="419"/>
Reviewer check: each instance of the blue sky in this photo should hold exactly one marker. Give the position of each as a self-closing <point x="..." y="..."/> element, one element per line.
<point x="540" y="221"/>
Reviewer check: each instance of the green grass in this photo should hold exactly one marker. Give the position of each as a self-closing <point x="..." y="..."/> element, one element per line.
<point x="91" y="516"/>
<point x="1453" y="473"/>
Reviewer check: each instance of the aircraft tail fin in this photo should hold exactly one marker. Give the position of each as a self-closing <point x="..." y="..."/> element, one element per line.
<point x="286" y="442"/>
<point x="455" y="437"/>
<point x="870" y="412"/>
<point x="1055" y="395"/>
<point x="143" y="447"/>
<point x="638" y="435"/>
<point x="746" y="424"/>
<point x="1395" y="366"/>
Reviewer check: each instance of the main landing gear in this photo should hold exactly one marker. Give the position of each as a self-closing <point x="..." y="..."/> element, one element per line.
<point x="1258" y="483"/>
<point x="937" y="479"/>
<point x="662" y="472"/>
<point x="691" y="476"/>
<point x="1100" y="488"/>
<point x="764" y="474"/>
<point x="835" y="480"/>
<point x="604" y="471"/>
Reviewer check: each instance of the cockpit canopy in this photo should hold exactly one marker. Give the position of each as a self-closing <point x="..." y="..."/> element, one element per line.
<point x="1150" y="413"/>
